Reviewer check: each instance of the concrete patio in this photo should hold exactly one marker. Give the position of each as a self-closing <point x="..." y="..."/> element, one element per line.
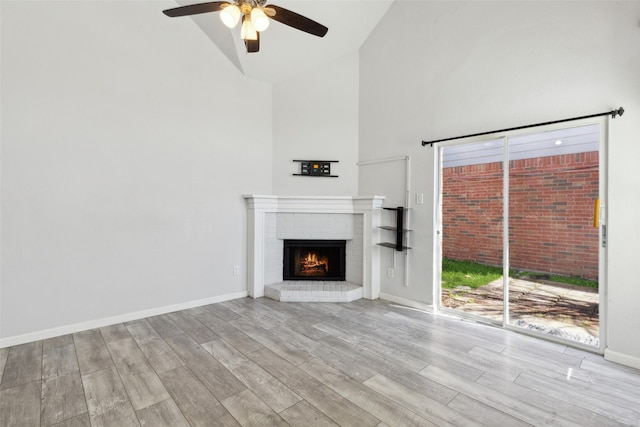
<point x="556" y="308"/>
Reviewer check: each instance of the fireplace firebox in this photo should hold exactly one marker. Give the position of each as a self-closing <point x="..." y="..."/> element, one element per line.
<point x="314" y="260"/>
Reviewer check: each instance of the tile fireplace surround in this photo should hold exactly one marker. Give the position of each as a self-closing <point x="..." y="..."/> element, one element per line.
<point x="271" y="219"/>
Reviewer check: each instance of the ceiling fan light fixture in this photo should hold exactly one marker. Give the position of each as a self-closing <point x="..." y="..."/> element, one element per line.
<point x="248" y="31"/>
<point x="230" y="15"/>
<point x="259" y="19"/>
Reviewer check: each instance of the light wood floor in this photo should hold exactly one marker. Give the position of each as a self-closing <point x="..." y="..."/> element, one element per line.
<point x="261" y="362"/>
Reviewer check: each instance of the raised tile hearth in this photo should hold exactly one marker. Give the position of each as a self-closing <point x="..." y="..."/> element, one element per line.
<point x="311" y="291"/>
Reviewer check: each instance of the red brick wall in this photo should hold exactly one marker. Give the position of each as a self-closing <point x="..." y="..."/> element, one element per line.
<point x="551" y="206"/>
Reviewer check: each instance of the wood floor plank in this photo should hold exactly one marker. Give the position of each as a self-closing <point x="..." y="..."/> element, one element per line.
<point x="581" y="416"/>
<point x="4" y="353"/>
<point x="195" y="400"/>
<point x="57" y="341"/>
<point x="91" y="351"/>
<point x="428" y="408"/>
<point x="536" y="361"/>
<point x="624" y="375"/>
<point x="142" y="331"/>
<point x="271" y="391"/>
<point x="213" y="375"/>
<point x="285" y="333"/>
<point x="250" y="411"/>
<point x="303" y="414"/>
<point x="157" y="352"/>
<point x="306" y="328"/>
<point x="165" y="413"/>
<point x="196" y="330"/>
<point x="294" y="310"/>
<point x="144" y="389"/>
<point x="334" y="406"/>
<point x="373" y="402"/>
<point x="581" y="380"/>
<point x="219" y="310"/>
<point x="107" y="400"/>
<point x="229" y="333"/>
<point x="483" y="413"/>
<point x="507" y="404"/>
<point x="139" y="379"/>
<point x="20" y="405"/>
<point x="483" y="360"/>
<point x="559" y="391"/>
<point x="59" y="361"/>
<point x="344" y="362"/>
<point x="127" y="356"/>
<point x="288" y="350"/>
<point x="79" y="421"/>
<point x="160" y="355"/>
<point x="164" y="326"/>
<point x="24" y="365"/>
<point x="114" y="333"/>
<point x="248" y="314"/>
<point x="423" y="347"/>
<point x="257" y="306"/>
<point x="411" y="360"/>
<point x="444" y="336"/>
<point x="62" y="398"/>
<point x="411" y="379"/>
<point x="331" y="329"/>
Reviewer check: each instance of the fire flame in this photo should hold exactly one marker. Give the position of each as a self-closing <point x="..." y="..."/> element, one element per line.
<point x="312" y="263"/>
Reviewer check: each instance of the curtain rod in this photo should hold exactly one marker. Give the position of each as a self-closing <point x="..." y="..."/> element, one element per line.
<point x="613" y="114"/>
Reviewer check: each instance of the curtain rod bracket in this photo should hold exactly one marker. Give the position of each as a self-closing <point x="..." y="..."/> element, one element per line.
<point x="613" y="113"/>
<point x="618" y="112"/>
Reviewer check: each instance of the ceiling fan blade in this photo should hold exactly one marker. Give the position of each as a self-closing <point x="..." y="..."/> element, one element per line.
<point x="297" y="21"/>
<point x="194" y="9"/>
<point x="252" y="46"/>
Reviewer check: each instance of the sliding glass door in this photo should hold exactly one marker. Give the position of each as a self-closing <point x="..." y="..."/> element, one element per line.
<point x="472" y="200"/>
<point x="522" y="215"/>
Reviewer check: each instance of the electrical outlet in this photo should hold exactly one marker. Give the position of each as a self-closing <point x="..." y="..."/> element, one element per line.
<point x="236" y="270"/>
<point x="420" y="198"/>
<point x="391" y="272"/>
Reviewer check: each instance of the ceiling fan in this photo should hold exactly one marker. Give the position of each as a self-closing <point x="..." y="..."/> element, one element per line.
<point x="255" y="18"/>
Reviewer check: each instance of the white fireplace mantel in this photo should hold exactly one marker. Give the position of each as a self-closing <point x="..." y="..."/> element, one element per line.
<point x="259" y="205"/>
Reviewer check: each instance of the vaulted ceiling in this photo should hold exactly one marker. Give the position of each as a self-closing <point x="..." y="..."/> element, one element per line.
<point x="285" y="51"/>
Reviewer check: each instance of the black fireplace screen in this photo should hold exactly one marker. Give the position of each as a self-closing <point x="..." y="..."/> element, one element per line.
<point x="314" y="260"/>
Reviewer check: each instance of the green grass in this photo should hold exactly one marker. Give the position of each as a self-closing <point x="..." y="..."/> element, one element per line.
<point x="467" y="273"/>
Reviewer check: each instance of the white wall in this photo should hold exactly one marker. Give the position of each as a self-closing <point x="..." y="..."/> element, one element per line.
<point x="315" y="117"/>
<point x="124" y="159"/>
<point x="438" y="69"/>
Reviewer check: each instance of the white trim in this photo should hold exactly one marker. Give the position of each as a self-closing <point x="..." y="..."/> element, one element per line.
<point x="407" y="302"/>
<point x="107" y="321"/>
<point x="622" y="359"/>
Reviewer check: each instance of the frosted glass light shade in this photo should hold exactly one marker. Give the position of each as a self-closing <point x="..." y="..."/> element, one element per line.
<point x="248" y="31"/>
<point x="259" y="19"/>
<point x="230" y="15"/>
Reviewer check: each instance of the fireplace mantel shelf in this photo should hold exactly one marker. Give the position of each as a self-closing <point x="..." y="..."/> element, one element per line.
<point x="318" y="204"/>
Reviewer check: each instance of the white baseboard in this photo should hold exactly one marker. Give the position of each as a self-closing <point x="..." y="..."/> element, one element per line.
<point x="407" y="302"/>
<point x="107" y="321"/>
<point x="622" y="359"/>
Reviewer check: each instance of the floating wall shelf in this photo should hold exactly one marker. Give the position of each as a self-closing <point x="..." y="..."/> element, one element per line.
<point x="398" y="229"/>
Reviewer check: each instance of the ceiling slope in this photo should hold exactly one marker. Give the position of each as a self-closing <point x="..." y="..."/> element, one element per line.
<point x="285" y="51"/>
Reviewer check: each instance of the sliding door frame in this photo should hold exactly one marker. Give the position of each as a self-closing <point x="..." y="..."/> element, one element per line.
<point x="603" y="123"/>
